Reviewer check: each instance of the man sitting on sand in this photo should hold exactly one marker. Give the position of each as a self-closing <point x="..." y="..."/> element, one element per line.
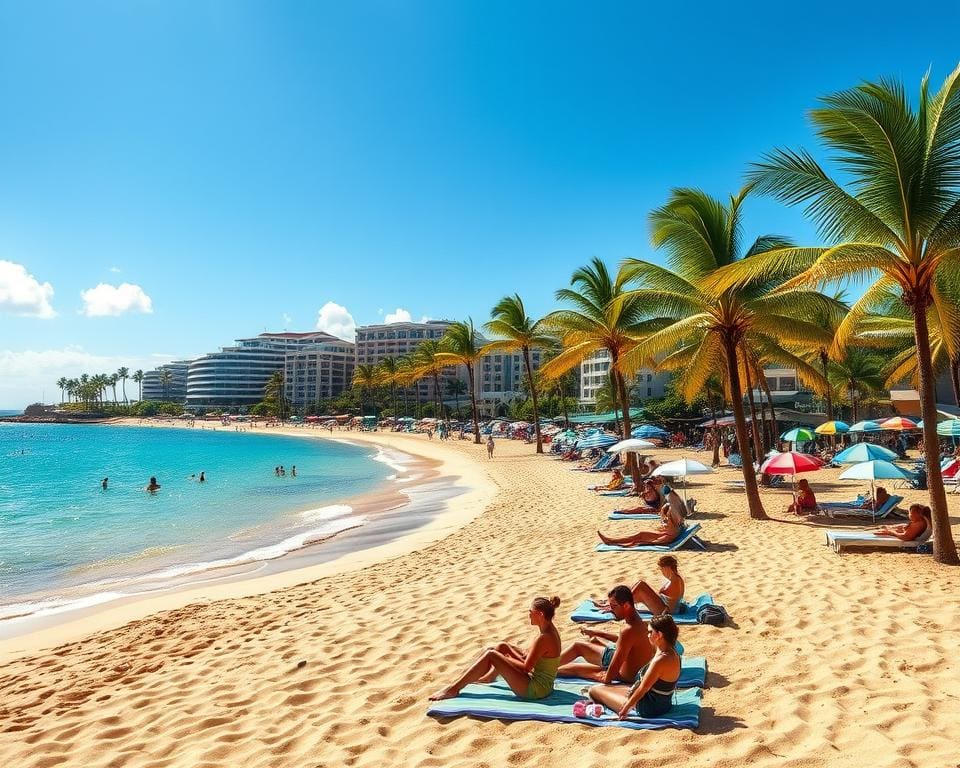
<point x="607" y="663"/>
<point x="665" y="533"/>
<point x="669" y="599"/>
<point x="616" y="483"/>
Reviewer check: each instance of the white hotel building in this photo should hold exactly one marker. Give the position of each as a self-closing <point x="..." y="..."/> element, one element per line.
<point x="595" y="373"/>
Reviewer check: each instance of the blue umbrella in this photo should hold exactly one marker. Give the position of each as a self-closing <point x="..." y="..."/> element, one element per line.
<point x="949" y="428"/>
<point x="865" y="426"/>
<point x="875" y="470"/>
<point x="864" y="452"/>
<point x="599" y="440"/>
<point x="649" y="430"/>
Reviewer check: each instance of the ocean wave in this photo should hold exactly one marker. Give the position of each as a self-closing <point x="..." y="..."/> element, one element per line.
<point x="393" y="459"/>
<point x="326" y="513"/>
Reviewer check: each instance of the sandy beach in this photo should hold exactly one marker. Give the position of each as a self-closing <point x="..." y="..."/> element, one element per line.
<point x="839" y="661"/>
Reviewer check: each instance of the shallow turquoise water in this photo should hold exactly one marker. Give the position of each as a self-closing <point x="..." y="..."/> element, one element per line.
<point x="60" y="530"/>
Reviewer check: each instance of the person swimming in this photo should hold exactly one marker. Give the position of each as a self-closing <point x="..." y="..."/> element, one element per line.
<point x="531" y="673"/>
<point x="103" y="483"/>
<point x="153" y="486"/>
<point x="652" y="694"/>
<point x="202" y="478"/>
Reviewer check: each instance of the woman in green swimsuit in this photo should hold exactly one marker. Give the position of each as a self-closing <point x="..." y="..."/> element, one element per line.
<point x="529" y="674"/>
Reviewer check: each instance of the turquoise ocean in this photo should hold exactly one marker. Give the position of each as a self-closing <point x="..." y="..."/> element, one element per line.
<point x="65" y="542"/>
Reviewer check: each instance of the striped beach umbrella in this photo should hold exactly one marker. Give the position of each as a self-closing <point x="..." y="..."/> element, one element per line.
<point x="798" y="435"/>
<point x="898" y="423"/>
<point x="949" y="428"/>
<point x="833" y="428"/>
<point x="865" y="426"/>
<point x="598" y="440"/>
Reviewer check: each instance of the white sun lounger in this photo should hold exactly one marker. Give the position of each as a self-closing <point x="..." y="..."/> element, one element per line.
<point x="840" y="539"/>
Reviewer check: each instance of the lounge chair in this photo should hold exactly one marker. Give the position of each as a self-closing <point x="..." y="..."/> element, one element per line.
<point x="687" y="536"/>
<point x="618" y="515"/>
<point x="588" y="613"/>
<point x="855" y="511"/>
<point x="840" y="539"/>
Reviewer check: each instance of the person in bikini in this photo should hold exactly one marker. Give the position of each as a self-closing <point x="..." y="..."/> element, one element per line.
<point x="665" y="533"/>
<point x="530" y="674"/>
<point x="607" y="663"/>
<point x="652" y="694"/>
<point x="650" y="498"/>
<point x="918" y="526"/>
<point x="669" y="598"/>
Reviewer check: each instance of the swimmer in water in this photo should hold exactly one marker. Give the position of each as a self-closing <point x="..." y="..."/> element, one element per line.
<point x="293" y="471"/>
<point x="202" y="478"/>
<point x="154" y="486"/>
<point x="103" y="483"/>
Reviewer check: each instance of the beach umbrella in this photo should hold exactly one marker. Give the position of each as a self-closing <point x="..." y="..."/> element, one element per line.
<point x="649" y="430"/>
<point x="898" y="423"/>
<point x="681" y="468"/>
<point x="949" y="428"/>
<point x="633" y="445"/>
<point x="599" y="440"/>
<point x="832" y="428"/>
<point x="865" y="426"/>
<point x="791" y="463"/>
<point x="859" y="452"/>
<point x="798" y="435"/>
<point x="875" y="470"/>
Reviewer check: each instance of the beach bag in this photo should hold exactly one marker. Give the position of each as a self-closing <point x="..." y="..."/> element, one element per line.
<point x="712" y="614"/>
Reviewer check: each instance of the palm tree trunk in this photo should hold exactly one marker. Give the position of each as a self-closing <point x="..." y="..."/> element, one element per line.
<point x="774" y="429"/>
<point x="621" y="386"/>
<point x="944" y="548"/>
<point x="715" y="429"/>
<point x="473" y="406"/>
<point x="754" y="504"/>
<point x="763" y="417"/>
<point x="754" y="427"/>
<point x="533" y="393"/>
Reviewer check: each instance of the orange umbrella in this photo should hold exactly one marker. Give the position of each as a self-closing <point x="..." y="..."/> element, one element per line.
<point x="898" y="423"/>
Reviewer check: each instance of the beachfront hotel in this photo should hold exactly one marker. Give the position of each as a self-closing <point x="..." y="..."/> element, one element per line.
<point x="595" y="374"/>
<point x="318" y="372"/>
<point x="237" y="375"/>
<point x="377" y="342"/>
<point x="174" y="389"/>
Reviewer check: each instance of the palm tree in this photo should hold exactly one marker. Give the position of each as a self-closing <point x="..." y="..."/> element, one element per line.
<point x="62" y="384"/>
<point x="859" y="373"/>
<point x="166" y="379"/>
<point x="123" y="374"/>
<point x="603" y="318"/>
<point x="518" y="333"/>
<point x="426" y="363"/>
<point x="387" y="370"/>
<point x="112" y="380"/>
<point x="456" y="387"/>
<point x="275" y="390"/>
<point x="460" y="347"/>
<point x="707" y="323"/>
<point x="365" y="377"/>
<point x="138" y="378"/>
<point x="900" y="218"/>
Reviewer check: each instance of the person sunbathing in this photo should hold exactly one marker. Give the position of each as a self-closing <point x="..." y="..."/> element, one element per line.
<point x="652" y="694"/>
<point x="678" y="509"/>
<point x="607" y="663"/>
<point x="617" y="482"/>
<point x="530" y="674"/>
<point x="805" y="503"/>
<point x="919" y="525"/>
<point x="880" y="497"/>
<point x="650" y="501"/>
<point x="665" y="533"/>
<point x="669" y="598"/>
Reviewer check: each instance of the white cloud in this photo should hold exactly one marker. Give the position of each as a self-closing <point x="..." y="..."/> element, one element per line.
<point x="399" y="315"/>
<point x="287" y="320"/>
<point x="22" y="294"/>
<point x="337" y="321"/>
<point x="425" y="319"/>
<point x="115" y="270"/>
<point x="380" y="311"/>
<point x="111" y="300"/>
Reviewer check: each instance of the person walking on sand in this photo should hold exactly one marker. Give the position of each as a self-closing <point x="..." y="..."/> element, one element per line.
<point x="607" y="663"/>
<point x="531" y="673"/>
<point x="490" y="446"/>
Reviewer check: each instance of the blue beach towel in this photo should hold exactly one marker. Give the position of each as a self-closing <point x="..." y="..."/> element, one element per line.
<point x="498" y="701"/>
<point x="693" y="671"/>
<point x="688" y="535"/>
<point x="618" y="515"/>
<point x="587" y="612"/>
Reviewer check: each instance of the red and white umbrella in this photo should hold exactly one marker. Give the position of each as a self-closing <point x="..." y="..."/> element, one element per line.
<point x="898" y="423"/>
<point x="791" y="463"/>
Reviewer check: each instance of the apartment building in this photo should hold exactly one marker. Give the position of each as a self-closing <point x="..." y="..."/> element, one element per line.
<point x="595" y="374"/>
<point x="174" y="389"/>
<point x="318" y="372"/>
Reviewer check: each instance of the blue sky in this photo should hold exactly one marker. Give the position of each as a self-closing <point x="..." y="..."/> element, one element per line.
<point x="185" y="173"/>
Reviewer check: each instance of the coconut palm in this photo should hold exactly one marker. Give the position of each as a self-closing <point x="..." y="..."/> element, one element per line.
<point x="860" y="373"/>
<point x="365" y="377"/>
<point x="455" y="388"/>
<point x="275" y="389"/>
<point x="461" y="346"/>
<point x="427" y="365"/>
<point x="706" y="324"/>
<point x="898" y="218"/>
<point x="387" y="371"/>
<point x="62" y="384"/>
<point x="602" y="318"/>
<point x="138" y="378"/>
<point x="123" y="374"/>
<point x="166" y="379"/>
<point x="518" y="332"/>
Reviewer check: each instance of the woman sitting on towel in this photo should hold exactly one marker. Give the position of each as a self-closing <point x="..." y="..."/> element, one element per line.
<point x="919" y="525"/>
<point x="650" y="501"/>
<point x="616" y="483"/>
<point x="530" y="674"/>
<point x="652" y="694"/>
<point x="670" y="597"/>
<point x="665" y="533"/>
<point x="806" y="502"/>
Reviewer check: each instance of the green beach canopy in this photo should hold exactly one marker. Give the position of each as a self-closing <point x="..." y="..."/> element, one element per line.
<point x="601" y="418"/>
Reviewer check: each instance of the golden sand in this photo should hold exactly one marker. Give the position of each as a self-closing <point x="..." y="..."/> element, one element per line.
<point x="839" y="661"/>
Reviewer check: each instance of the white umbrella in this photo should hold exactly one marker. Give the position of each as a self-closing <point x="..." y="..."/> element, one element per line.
<point x="681" y="468"/>
<point x="633" y="445"/>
